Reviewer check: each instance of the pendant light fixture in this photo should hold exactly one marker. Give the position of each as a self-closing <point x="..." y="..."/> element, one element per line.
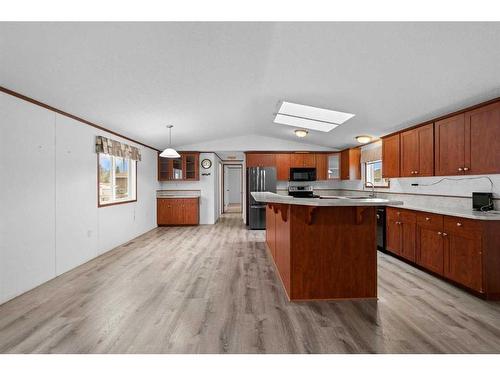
<point x="170" y="152"/>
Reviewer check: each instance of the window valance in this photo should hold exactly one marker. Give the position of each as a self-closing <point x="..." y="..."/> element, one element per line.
<point x="105" y="145"/>
<point x="371" y="152"/>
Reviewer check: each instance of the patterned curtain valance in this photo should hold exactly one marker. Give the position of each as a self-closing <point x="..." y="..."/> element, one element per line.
<point x="105" y="145"/>
<point x="371" y="152"/>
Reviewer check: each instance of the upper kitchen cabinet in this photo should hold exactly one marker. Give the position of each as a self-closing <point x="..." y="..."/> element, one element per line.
<point x="482" y="140"/>
<point x="321" y="167"/>
<point x="391" y="156"/>
<point x="260" y="160"/>
<point x="333" y="171"/>
<point x="468" y="143"/>
<point x="417" y="152"/>
<point x="449" y="138"/>
<point x="283" y="167"/>
<point x="185" y="168"/>
<point x="350" y="164"/>
<point x="305" y="160"/>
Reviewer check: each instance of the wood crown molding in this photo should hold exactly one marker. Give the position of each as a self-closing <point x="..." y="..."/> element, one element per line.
<point x="53" y="109"/>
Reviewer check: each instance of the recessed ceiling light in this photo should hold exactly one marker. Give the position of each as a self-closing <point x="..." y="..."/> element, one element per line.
<point x="363" y="139"/>
<point x="314" y="118"/>
<point x="301" y="133"/>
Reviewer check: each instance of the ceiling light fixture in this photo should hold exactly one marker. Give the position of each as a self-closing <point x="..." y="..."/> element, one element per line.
<point x="308" y="117"/>
<point x="363" y="139"/>
<point x="170" y="152"/>
<point x="301" y="133"/>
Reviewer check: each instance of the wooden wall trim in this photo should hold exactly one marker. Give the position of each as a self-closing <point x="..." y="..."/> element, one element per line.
<point x="460" y="111"/>
<point x="292" y="152"/>
<point x="53" y="109"/>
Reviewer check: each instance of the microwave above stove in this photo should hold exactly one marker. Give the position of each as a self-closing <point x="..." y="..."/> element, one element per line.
<point x="302" y="174"/>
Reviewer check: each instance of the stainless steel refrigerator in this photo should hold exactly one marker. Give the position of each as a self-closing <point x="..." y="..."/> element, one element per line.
<point x="259" y="179"/>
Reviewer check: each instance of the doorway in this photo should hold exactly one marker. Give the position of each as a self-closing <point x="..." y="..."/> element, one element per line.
<point x="233" y="188"/>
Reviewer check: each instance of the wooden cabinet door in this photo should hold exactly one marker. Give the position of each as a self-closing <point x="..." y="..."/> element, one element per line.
<point x="283" y="167"/>
<point x="425" y="136"/>
<point x="408" y="224"/>
<point x="271" y="230"/>
<point x="463" y="260"/>
<point x="449" y="139"/>
<point x="163" y="211"/>
<point x="393" y="231"/>
<point x="163" y="169"/>
<point x="344" y="165"/>
<point x="482" y="140"/>
<point x="190" y="208"/>
<point x="261" y="160"/>
<point x="296" y="160"/>
<point x="309" y="160"/>
<point x="191" y="166"/>
<point x="409" y="153"/>
<point x="390" y="156"/>
<point x="430" y="251"/>
<point x="321" y="167"/>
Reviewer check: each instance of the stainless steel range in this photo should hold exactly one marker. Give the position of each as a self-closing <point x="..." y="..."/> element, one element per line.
<point x="305" y="191"/>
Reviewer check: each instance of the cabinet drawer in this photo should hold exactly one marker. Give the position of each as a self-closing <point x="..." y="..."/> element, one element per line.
<point x="393" y="213"/>
<point x="428" y="220"/>
<point x="463" y="227"/>
<point x="408" y="216"/>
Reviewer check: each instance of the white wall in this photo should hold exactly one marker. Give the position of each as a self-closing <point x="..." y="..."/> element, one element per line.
<point x="50" y="222"/>
<point x="207" y="186"/>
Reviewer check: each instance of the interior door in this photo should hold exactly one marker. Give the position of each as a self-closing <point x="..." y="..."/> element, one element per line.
<point x="449" y="138"/>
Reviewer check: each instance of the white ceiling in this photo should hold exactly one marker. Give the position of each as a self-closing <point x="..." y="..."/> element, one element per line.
<point x="218" y="80"/>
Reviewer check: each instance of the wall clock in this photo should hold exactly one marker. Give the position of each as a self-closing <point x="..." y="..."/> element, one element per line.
<point x="206" y="163"/>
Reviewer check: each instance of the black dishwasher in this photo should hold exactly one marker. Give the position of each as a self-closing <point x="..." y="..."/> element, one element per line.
<point x="381" y="228"/>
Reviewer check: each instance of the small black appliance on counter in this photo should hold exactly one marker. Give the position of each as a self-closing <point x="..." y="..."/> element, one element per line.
<point x="482" y="201"/>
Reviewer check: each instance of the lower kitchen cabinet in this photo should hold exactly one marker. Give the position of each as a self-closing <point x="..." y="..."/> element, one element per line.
<point x="177" y="211"/>
<point x="430" y="242"/>
<point x="401" y="227"/>
<point x="465" y="251"/>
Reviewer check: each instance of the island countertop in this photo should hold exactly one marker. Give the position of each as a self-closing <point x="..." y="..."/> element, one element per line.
<point x="325" y="201"/>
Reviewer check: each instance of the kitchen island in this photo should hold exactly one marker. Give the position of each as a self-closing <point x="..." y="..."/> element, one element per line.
<point x="323" y="248"/>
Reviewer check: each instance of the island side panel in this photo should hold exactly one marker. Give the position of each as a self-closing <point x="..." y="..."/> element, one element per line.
<point x="271" y="230"/>
<point x="333" y="252"/>
<point x="282" y="258"/>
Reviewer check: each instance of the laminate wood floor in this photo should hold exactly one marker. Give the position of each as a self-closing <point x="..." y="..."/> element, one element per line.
<point x="213" y="289"/>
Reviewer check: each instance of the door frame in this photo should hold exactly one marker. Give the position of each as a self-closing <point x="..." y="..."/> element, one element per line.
<point x="237" y="166"/>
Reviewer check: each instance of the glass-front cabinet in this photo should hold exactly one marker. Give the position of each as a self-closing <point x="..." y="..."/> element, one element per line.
<point x="333" y="166"/>
<point x="184" y="168"/>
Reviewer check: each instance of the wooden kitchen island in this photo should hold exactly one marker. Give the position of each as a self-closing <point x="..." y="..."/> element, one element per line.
<point x="323" y="248"/>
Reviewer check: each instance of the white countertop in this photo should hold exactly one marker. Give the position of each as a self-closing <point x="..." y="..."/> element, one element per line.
<point x="178" y="194"/>
<point x="459" y="212"/>
<point x="332" y="201"/>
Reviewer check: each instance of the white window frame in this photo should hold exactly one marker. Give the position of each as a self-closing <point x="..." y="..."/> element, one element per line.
<point x="385" y="181"/>
<point x="132" y="182"/>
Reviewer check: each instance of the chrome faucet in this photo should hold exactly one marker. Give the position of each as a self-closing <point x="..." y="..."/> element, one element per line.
<point x="372" y="195"/>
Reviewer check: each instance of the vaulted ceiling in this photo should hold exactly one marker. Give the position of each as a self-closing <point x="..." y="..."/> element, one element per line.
<point x="223" y="80"/>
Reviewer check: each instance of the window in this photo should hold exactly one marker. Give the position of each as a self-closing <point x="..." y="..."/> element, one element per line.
<point x="373" y="174"/>
<point x="116" y="180"/>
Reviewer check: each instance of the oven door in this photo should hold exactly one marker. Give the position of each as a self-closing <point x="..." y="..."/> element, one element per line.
<point x="302" y="174"/>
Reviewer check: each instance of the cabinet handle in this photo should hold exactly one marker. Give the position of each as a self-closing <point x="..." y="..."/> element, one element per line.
<point x="445" y="234"/>
<point x="439" y="233"/>
<point x="459" y="224"/>
<point x="466" y="169"/>
<point x="427" y="218"/>
<point x="460" y="169"/>
<point x="416" y="172"/>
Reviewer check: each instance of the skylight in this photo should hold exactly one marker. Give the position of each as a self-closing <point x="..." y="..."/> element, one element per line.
<point x="314" y="118"/>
